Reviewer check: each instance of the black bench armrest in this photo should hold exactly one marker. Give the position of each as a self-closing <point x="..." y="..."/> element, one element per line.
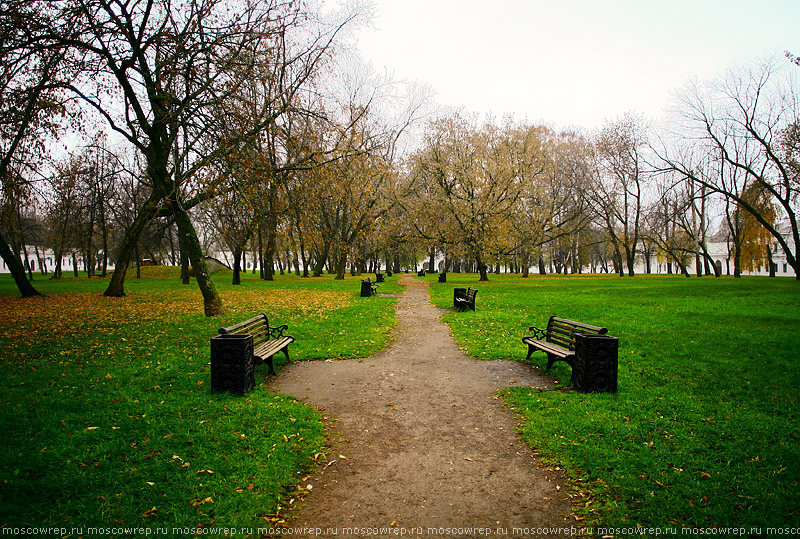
<point x="277" y="332"/>
<point x="538" y="333"/>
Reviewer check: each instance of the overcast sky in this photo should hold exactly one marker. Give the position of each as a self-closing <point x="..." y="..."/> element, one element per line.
<point x="572" y="62"/>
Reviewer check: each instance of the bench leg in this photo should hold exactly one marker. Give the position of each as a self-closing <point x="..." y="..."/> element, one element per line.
<point x="288" y="360"/>
<point x="530" y="352"/>
<point x="271" y="366"/>
<point x="550" y="360"/>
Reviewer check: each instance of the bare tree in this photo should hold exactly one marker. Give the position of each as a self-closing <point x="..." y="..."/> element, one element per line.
<point x="618" y="191"/>
<point x="29" y="101"/>
<point x="744" y="123"/>
<point x="157" y="71"/>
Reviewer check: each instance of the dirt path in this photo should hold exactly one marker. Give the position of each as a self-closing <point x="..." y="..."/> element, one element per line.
<point x="419" y="443"/>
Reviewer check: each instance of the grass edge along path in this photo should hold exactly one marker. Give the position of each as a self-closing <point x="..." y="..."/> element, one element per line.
<point x="703" y="432"/>
<point x="108" y="406"/>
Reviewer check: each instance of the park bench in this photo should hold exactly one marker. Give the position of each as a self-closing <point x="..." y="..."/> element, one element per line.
<point x="558" y="340"/>
<point x="464" y="298"/>
<point x="368" y="288"/>
<point x="267" y="340"/>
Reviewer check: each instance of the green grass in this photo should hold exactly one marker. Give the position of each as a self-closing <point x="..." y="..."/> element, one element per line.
<point x="703" y="431"/>
<point x="109" y="419"/>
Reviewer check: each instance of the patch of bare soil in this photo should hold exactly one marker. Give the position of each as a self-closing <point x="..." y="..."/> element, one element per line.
<point x="420" y="447"/>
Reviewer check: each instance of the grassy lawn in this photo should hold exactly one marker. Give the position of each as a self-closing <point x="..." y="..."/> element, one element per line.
<point x="703" y="431"/>
<point x="108" y="415"/>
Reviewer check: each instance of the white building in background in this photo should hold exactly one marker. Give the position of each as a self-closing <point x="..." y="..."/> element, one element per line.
<point x="721" y="253"/>
<point x="48" y="261"/>
<point x="778" y="254"/>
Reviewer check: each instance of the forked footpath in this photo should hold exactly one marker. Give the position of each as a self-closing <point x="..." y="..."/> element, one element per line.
<point x="420" y="446"/>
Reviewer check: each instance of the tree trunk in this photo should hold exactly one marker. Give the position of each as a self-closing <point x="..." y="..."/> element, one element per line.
<point x="482" y="269"/>
<point x="303" y="257"/>
<point x="57" y="272"/>
<point x="770" y="262"/>
<point x="237" y="266"/>
<point x="185" y="278"/>
<point x="709" y="261"/>
<point x="319" y="264"/>
<point x="630" y="256"/>
<point x="105" y="252"/>
<point x="341" y="267"/>
<point x="212" y="304"/>
<point x="260" y="253"/>
<point x="116" y="287"/>
<point x="24" y="286"/>
<point x="43" y="264"/>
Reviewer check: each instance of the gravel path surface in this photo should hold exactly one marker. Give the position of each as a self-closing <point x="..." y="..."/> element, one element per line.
<point x="419" y="445"/>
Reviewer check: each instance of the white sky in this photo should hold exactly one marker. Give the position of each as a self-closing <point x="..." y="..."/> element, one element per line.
<point x="572" y="62"/>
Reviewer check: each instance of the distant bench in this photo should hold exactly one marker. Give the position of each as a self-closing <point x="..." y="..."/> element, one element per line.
<point x="464" y="298"/>
<point x="368" y="288"/>
<point x="558" y="340"/>
<point x="267" y="340"/>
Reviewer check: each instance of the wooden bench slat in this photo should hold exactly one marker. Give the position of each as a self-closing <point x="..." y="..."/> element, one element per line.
<point x="548" y="347"/>
<point x="246" y="325"/>
<point x="272" y="347"/>
<point x="573" y="323"/>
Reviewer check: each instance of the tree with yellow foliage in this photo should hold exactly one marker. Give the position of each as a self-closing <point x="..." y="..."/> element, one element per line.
<point x="754" y="249"/>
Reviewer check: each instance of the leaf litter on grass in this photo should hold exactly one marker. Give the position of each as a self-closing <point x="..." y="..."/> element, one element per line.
<point x="68" y="315"/>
